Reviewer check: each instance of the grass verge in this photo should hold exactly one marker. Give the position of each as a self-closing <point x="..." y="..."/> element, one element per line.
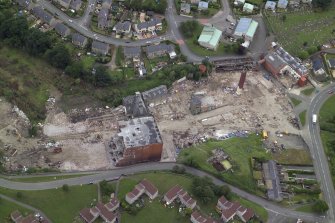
<point x="58" y="205"/>
<point x="302" y="117"/>
<point x="295" y="102"/>
<point x="308" y="91"/>
<point x="39" y="179"/>
<point x="7" y="208"/>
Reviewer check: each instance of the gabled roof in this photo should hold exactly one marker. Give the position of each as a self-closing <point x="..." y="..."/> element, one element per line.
<point x="100" y="45"/>
<point x="210" y="35"/>
<point x="231" y="210"/>
<point x="104" y="213"/>
<point x="151" y="23"/>
<point x="162" y="47"/>
<point x="120" y="26"/>
<point x="87" y="215"/>
<point x="174" y="191"/>
<point x="41" y="14"/>
<point x="317" y="63"/>
<point x="103" y="17"/>
<point x="61" y="29"/>
<point x="149" y="187"/>
<point x="135" y="105"/>
<point x="134" y="51"/>
<point x="75" y="3"/>
<point x="201" y="219"/>
<point x="154" y="92"/>
<point x="114" y="202"/>
<point x="76" y="37"/>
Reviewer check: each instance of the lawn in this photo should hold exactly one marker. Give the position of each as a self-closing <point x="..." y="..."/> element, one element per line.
<point x="7" y="208"/>
<point x="306" y="208"/>
<point x="327" y="112"/>
<point x="293" y="157"/>
<point x="164" y="181"/>
<point x="45" y="178"/>
<point x="318" y="25"/>
<point x="240" y="151"/>
<point x="308" y="91"/>
<point x="295" y="102"/>
<point x="302" y="117"/>
<point x="58" y="205"/>
<point x="201" y="51"/>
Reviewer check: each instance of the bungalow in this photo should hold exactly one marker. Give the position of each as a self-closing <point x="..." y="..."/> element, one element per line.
<point x="64" y="3"/>
<point x="79" y="40"/>
<point x="132" y="52"/>
<point x="103" y="18"/>
<point x="43" y="15"/>
<point x="210" y="37"/>
<point x="248" y="8"/>
<point x="151" y="25"/>
<point x="100" y="48"/>
<point x="159" y="50"/>
<point x="196" y="217"/>
<point x="178" y="192"/>
<point x="62" y="29"/>
<point x="185" y="8"/>
<point x="282" y="4"/>
<point x="202" y="6"/>
<point x="270" y="5"/>
<point x="122" y="27"/>
<point x="144" y="187"/>
<point x="76" y="4"/>
<point x="89" y="215"/>
<point x="318" y="66"/>
<point x="105" y="214"/>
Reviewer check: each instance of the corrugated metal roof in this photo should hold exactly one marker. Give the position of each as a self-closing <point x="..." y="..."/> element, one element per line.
<point x="210" y="35"/>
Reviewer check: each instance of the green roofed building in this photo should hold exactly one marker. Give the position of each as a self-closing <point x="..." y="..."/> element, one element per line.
<point x="246" y="29"/>
<point x="210" y="37"/>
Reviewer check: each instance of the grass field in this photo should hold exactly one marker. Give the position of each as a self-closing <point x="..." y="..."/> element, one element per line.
<point x="201" y="51"/>
<point x="58" y="205"/>
<point x="306" y="208"/>
<point x="44" y="178"/>
<point x="7" y="208"/>
<point x="318" y="25"/>
<point x="240" y="151"/>
<point x="293" y="157"/>
<point x="295" y="102"/>
<point x="308" y="91"/>
<point x="164" y="181"/>
<point x="302" y="117"/>
<point x="327" y="112"/>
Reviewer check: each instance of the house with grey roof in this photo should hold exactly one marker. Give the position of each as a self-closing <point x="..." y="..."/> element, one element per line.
<point x="270" y="5"/>
<point x="185" y="8"/>
<point x="159" y="50"/>
<point x="155" y="94"/>
<point x="24" y="3"/>
<point x="64" y="3"/>
<point x="106" y="4"/>
<point x="62" y="29"/>
<point x="100" y="48"/>
<point x="43" y="15"/>
<point x="132" y="52"/>
<point x="134" y="106"/>
<point x="76" y="4"/>
<point x="151" y="25"/>
<point x="122" y="27"/>
<point x="79" y="40"/>
<point x="103" y="18"/>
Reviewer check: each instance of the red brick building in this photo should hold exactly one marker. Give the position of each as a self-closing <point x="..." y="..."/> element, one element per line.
<point x="139" y="140"/>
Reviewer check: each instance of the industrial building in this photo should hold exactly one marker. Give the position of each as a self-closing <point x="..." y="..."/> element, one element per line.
<point x="280" y="62"/>
<point x="210" y="37"/>
<point x="246" y="29"/>
<point x="138" y="140"/>
<point x="134" y="106"/>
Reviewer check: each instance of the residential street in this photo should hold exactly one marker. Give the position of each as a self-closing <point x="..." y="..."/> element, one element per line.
<point x="115" y="174"/>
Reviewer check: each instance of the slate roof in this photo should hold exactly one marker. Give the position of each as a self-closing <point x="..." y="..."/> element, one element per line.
<point x="163" y="47"/>
<point x="151" y="23"/>
<point x="317" y="63"/>
<point x="41" y="14"/>
<point x="75" y="4"/>
<point x="331" y="63"/>
<point x="154" y="93"/>
<point x="135" y="105"/>
<point x="103" y="47"/>
<point x="61" y="29"/>
<point x="122" y="26"/>
<point x="76" y="37"/>
<point x="103" y="17"/>
<point x="132" y="51"/>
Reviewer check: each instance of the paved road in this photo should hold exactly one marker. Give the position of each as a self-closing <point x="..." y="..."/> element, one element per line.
<point x="115" y="174"/>
<point x="35" y="210"/>
<point x="312" y="135"/>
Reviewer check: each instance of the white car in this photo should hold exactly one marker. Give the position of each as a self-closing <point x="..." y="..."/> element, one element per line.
<point x="70" y="20"/>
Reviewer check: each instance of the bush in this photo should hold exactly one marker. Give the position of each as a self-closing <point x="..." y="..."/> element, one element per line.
<point x="190" y="28"/>
<point x="19" y="195"/>
<point x="178" y="169"/>
<point x="106" y="188"/>
<point x="320" y="206"/>
<point x="303" y="54"/>
<point x="65" y="188"/>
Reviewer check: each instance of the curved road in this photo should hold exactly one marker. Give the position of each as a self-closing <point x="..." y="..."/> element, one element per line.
<point x="319" y="157"/>
<point x="115" y="174"/>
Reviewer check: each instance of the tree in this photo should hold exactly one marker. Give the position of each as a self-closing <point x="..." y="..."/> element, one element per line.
<point x="37" y="42"/>
<point x="284" y="18"/>
<point x="320" y="206"/>
<point x="65" y="188"/>
<point x="59" y="56"/>
<point x="303" y="54"/>
<point x="323" y="4"/>
<point x="311" y="50"/>
<point x="76" y="70"/>
<point x="106" y="188"/>
<point x="14" y="30"/>
<point x="223" y="190"/>
<point x="102" y="77"/>
<point x="190" y="28"/>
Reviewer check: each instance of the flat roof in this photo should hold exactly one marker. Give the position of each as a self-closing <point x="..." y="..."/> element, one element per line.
<point x="211" y="35"/>
<point x="252" y="29"/>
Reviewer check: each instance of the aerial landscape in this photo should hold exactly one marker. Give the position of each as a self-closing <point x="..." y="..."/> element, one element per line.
<point x="170" y="111"/>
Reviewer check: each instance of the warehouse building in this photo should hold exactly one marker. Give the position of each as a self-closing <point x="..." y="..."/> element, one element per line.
<point x="210" y="37"/>
<point x="246" y="29"/>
